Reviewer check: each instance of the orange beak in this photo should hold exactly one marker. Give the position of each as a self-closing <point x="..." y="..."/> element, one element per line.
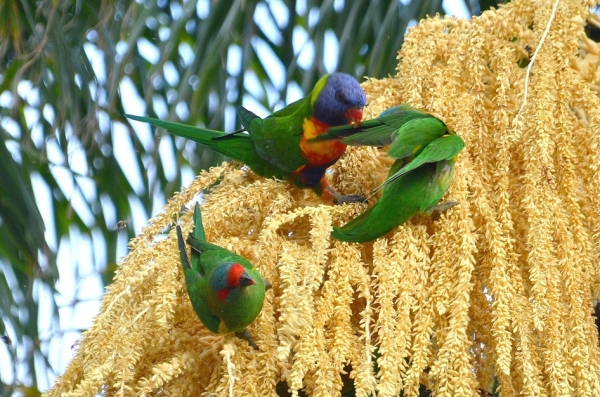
<point x="355" y="115"/>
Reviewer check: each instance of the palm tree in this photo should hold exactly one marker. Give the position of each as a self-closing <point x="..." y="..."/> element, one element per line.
<point x="74" y="173"/>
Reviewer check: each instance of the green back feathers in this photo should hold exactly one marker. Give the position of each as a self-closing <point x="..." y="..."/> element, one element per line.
<point x="276" y="138"/>
<point x="413" y="136"/>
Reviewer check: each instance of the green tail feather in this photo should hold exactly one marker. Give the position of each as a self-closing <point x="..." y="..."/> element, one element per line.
<point x="200" y="135"/>
<point x="185" y="261"/>
<point x="199" y="234"/>
<point x="356" y="231"/>
<point x="198" y="226"/>
<point x="237" y="146"/>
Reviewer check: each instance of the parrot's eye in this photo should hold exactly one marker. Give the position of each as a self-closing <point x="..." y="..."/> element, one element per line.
<point x="339" y="95"/>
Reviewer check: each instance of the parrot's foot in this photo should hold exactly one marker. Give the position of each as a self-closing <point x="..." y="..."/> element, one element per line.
<point x="353" y="198"/>
<point x="330" y="195"/>
<point x="245" y="335"/>
<point x="339" y="198"/>
<point x="436" y="211"/>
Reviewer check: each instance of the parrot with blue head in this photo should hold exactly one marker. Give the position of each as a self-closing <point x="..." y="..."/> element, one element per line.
<point x="281" y="145"/>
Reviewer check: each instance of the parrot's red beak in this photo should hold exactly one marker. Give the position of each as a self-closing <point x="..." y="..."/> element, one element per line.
<point x="355" y="115"/>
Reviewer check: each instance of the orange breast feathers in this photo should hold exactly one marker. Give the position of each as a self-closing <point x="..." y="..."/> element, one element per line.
<point x="319" y="153"/>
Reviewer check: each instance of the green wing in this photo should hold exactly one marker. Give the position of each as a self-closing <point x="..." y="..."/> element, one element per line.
<point x="413" y="136"/>
<point x="444" y="148"/>
<point x="237" y="146"/>
<point x="379" y="131"/>
<point x="413" y="185"/>
<point x="404" y="197"/>
<point x="277" y="138"/>
<point x="374" y="132"/>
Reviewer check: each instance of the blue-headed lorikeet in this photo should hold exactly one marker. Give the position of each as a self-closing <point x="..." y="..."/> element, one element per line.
<point x="279" y="145"/>
<point x="226" y="291"/>
<point x="425" y="150"/>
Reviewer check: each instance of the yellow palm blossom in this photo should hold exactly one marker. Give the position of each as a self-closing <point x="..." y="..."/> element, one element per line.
<point x="500" y="286"/>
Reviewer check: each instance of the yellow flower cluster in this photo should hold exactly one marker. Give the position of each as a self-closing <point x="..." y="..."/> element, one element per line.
<point x="497" y="293"/>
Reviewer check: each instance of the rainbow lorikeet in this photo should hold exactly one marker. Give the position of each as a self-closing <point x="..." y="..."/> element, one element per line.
<point x="226" y="291"/>
<point x="425" y="150"/>
<point x="279" y="145"/>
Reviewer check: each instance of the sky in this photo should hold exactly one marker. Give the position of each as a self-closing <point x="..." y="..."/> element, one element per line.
<point x="82" y="284"/>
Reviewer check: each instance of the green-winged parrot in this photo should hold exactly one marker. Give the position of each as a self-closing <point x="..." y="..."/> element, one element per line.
<point x="425" y="150"/>
<point x="279" y="145"/>
<point x="225" y="289"/>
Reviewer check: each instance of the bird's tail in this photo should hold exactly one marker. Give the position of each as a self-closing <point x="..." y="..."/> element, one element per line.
<point x="185" y="261"/>
<point x="198" y="226"/>
<point x="231" y="145"/>
<point x="358" y="230"/>
<point x="197" y="234"/>
<point x="203" y="136"/>
<point x="237" y="146"/>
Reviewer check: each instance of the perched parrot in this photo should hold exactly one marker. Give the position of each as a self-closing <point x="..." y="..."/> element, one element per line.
<point x="425" y="150"/>
<point x="278" y="146"/>
<point x="226" y="291"/>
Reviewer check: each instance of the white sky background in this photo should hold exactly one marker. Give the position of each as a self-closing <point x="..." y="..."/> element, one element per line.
<point x="82" y="284"/>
